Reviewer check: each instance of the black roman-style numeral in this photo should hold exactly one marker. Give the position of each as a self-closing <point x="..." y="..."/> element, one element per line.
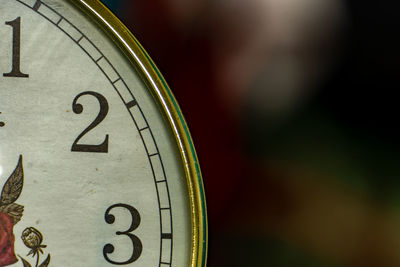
<point x="16" y="50"/>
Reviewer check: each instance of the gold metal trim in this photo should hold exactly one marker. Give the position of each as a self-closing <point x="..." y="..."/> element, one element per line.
<point x="155" y="81"/>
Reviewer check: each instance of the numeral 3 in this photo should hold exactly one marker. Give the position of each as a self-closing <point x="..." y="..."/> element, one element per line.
<point x="136" y="243"/>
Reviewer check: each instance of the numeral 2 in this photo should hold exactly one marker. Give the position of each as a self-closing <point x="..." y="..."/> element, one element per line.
<point x="16" y="50"/>
<point x="136" y="243"/>
<point x="78" y="108"/>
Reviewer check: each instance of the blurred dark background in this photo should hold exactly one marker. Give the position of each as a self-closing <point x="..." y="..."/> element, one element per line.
<point x="293" y="109"/>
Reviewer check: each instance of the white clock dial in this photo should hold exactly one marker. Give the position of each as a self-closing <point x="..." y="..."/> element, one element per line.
<point x="85" y="150"/>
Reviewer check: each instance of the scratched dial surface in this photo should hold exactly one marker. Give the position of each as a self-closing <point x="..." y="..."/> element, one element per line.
<point x="89" y="170"/>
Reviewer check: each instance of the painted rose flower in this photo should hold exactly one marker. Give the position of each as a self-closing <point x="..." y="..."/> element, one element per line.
<point x="7" y="254"/>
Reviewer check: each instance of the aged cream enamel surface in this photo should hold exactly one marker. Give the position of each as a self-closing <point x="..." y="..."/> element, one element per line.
<point x="65" y="193"/>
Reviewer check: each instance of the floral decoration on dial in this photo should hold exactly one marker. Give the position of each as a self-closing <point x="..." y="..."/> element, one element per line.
<point x="32" y="238"/>
<point x="10" y="214"/>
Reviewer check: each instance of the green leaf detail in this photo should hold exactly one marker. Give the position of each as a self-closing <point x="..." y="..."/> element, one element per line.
<point x="13" y="187"/>
<point x="13" y="210"/>
<point x="46" y="262"/>
<point x="26" y="264"/>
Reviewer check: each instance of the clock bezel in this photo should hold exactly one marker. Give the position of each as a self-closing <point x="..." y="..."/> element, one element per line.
<point x="164" y="97"/>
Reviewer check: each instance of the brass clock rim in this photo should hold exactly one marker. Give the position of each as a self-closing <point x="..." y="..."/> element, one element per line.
<point x="165" y="98"/>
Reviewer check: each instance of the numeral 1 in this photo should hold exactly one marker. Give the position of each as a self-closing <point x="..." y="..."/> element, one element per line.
<point x="16" y="51"/>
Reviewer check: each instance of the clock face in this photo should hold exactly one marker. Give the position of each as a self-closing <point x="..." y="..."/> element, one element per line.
<point x="90" y="170"/>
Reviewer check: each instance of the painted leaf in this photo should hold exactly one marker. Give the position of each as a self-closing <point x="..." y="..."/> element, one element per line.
<point x="13" y="210"/>
<point x="13" y="187"/>
<point x="46" y="262"/>
<point x="26" y="264"/>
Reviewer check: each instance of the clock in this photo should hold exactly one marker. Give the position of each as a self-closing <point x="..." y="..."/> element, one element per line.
<point x="97" y="166"/>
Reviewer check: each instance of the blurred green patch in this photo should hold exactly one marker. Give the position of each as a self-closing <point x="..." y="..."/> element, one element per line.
<point x="237" y="250"/>
<point x="113" y="5"/>
<point x="315" y="141"/>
